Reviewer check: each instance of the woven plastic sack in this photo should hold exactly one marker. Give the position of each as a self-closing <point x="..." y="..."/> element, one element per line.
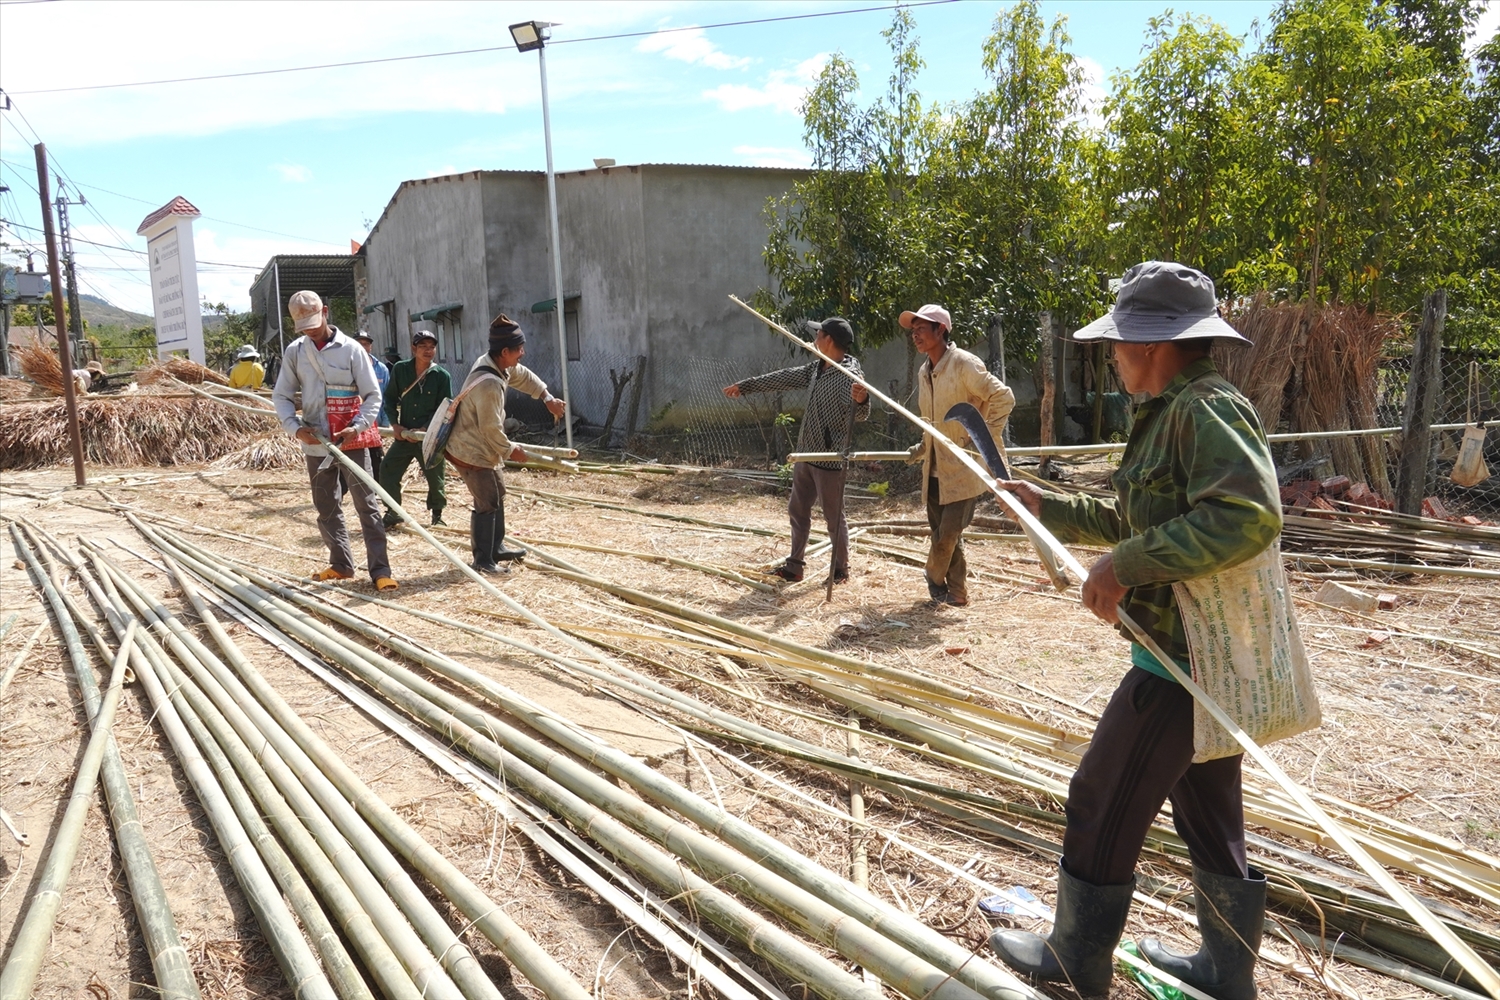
<point x="1469" y="468"/>
<point x="1247" y="654"/>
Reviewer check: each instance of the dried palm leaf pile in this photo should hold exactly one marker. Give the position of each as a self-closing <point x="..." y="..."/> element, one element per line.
<point x="274" y="451"/>
<point x="134" y="429"/>
<point x="182" y="370"/>
<point x="1322" y="363"/>
<point x="19" y="388"/>
<point x="40" y="364"/>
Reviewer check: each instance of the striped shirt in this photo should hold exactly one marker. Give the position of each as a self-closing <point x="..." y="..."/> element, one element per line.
<point x="827" y="423"/>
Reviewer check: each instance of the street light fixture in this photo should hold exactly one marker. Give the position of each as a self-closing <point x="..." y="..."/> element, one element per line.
<point x="532" y="36"/>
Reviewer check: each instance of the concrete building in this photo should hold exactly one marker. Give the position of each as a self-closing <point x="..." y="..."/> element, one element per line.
<point x="650" y="255"/>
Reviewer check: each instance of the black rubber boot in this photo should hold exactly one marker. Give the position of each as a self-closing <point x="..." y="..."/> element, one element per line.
<point x="1231" y="916"/>
<point x="1080" y="949"/>
<point x="501" y="553"/>
<point x="437" y="518"/>
<point x="482" y="541"/>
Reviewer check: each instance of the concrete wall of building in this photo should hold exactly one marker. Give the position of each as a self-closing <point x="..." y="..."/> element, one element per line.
<point x="429" y="248"/>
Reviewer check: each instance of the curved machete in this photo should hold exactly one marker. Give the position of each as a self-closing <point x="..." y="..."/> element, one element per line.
<point x="979" y="432"/>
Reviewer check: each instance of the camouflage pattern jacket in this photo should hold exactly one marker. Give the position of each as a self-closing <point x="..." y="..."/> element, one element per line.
<point x="1195" y="493"/>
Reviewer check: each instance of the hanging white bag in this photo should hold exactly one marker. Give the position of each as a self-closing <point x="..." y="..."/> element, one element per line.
<point x="1469" y="468"/>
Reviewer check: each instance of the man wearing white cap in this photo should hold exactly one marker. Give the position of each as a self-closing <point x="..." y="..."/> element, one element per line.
<point x="340" y="401"/>
<point x="1195" y="495"/>
<point x="949" y="376"/>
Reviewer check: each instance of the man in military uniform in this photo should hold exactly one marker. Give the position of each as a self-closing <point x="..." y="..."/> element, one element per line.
<point x="1195" y="494"/>
<point x="417" y="388"/>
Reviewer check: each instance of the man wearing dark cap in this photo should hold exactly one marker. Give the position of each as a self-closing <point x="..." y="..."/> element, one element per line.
<point x="478" y="445"/>
<point x="1194" y="495"/>
<point x="834" y="403"/>
<point x="417" y="388"/>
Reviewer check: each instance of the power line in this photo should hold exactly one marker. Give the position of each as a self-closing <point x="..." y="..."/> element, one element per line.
<point x="470" y="52"/>
<point x="111" y="246"/>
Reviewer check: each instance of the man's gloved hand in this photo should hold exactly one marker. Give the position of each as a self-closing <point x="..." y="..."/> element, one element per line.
<point x="914" y="453"/>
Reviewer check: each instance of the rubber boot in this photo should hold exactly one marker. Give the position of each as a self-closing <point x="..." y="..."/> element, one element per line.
<point x="1231" y="915"/>
<point x="1085" y="930"/>
<point x="482" y="541"/>
<point x="501" y="553"/>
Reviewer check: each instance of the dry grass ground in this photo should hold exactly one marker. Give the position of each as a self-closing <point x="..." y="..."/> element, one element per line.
<point x="1410" y="726"/>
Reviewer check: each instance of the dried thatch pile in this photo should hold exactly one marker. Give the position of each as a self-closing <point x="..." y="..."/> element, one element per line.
<point x="40" y="364"/>
<point x="1319" y="365"/>
<point x="275" y="451"/>
<point x="18" y="388"/>
<point x="136" y="429"/>
<point x="181" y="369"/>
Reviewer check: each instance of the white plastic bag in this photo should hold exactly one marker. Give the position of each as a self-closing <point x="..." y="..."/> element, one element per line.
<point x="1469" y="468"/>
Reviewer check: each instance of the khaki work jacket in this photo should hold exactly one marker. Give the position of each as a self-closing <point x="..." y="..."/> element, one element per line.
<point x="959" y="377"/>
<point x="478" y="437"/>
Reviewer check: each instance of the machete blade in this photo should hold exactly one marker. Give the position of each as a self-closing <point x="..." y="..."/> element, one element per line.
<point x="973" y="422"/>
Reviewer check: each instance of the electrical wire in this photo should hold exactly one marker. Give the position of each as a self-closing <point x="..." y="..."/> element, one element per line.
<point x="470" y="52"/>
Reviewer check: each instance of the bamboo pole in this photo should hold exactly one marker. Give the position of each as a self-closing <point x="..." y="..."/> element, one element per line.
<point x="382" y="886"/>
<point x="29" y="945"/>
<point x="655" y="557"/>
<point x="293" y="956"/>
<point x="820" y="884"/>
<point x="15" y="664"/>
<point x="169" y="959"/>
<point x="762" y="938"/>
<point x="486" y="916"/>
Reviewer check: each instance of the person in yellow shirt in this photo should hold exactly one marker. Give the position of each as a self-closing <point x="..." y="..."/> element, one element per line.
<point x="247" y="372"/>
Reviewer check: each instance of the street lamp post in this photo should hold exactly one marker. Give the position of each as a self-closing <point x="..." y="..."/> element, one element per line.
<point x="529" y="35"/>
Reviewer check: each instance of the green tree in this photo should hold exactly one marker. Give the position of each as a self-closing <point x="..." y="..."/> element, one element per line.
<point x="234" y="330"/>
<point x="1352" y="173"/>
<point x="1170" y="145"/>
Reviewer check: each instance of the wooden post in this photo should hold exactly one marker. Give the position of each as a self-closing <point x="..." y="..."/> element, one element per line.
<point x="1059" y="384"/>
<point x="1421" y="403"/>
<point x="65" y="354"/>
<point x="1101" y="376"/>
<point x="996" y="360"/>
<point x="1049" y="388"/>
<point x="635" y="402"/>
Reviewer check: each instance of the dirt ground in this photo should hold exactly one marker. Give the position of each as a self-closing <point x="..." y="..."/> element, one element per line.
<point x="1409" y="729"/>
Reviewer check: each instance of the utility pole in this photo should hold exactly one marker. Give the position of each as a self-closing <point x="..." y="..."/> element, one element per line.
<point x="75" y="308"/>
<point x="65" y="356"/>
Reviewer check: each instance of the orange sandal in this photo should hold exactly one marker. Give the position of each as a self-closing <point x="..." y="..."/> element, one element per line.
<point x="386" y="583"/>
<point x="332" y="574"/>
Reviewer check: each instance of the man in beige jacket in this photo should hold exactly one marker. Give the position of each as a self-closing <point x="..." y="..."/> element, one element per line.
<point x="950" y="375"/>
<point x="478" y="445"/>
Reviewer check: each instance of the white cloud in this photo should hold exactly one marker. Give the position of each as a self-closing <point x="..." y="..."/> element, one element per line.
<point x="293" y="173"/>
<point x="773" y="156"/>
<point x="1484" y="29"/>
<point x="784" y="89"/>
<point x="112" y="43"/>
<point x="690" y="45"/>
<point x="1094" y="92"/>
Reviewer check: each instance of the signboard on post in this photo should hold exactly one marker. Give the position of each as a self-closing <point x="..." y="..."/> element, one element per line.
<point x="174" y="278"/>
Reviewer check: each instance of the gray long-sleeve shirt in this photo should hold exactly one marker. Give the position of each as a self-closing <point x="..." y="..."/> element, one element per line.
<point x="831" y="412"/>
<point x="346" y="364"/>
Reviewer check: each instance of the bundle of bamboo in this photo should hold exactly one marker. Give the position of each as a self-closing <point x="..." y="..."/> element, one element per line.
<point x="274" y="451"/>
<point x="136" y="429"/>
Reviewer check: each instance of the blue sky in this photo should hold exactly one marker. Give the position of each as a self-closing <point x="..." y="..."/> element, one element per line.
<point x="297" y="162"/>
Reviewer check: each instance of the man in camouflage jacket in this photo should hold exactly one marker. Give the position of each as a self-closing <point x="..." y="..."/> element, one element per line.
<point x="1196" y="493"/>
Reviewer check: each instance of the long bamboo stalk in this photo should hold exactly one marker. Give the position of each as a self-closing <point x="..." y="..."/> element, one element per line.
<point x="30" y="942"/>
<point x="383" y="887"/>
<point x="169" y="959"/>
<point x="539" y="967"/>
<point x="763" y="938"/>
<point x="908" y="933"/>
<point x="655" y="557"/>
<point x="295" y="959"/>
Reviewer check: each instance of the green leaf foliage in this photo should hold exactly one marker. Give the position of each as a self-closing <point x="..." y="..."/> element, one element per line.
<point x="1350" y="153"/>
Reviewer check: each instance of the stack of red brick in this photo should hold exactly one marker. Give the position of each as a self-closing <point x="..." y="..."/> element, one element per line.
<point x="1312" y="494"/>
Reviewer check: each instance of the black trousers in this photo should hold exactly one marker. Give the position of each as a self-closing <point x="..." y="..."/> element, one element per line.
<point x="1142" y="755"/>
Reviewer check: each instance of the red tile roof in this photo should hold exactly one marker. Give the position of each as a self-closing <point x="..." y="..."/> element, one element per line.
<point x="177" y="206"/>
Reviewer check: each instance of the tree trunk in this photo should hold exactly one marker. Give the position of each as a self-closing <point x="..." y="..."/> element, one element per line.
<point x="1421" y="402"/>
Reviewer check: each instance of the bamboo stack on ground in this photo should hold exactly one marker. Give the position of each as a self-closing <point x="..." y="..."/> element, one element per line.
<point x="169" y="959"/>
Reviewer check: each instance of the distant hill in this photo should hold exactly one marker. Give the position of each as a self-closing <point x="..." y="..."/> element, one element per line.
<point x="98" y="312"/>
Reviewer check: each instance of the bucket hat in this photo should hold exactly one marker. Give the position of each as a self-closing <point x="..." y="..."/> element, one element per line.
<point x="246" y="352"/>
<point x="1159" y="300"/>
